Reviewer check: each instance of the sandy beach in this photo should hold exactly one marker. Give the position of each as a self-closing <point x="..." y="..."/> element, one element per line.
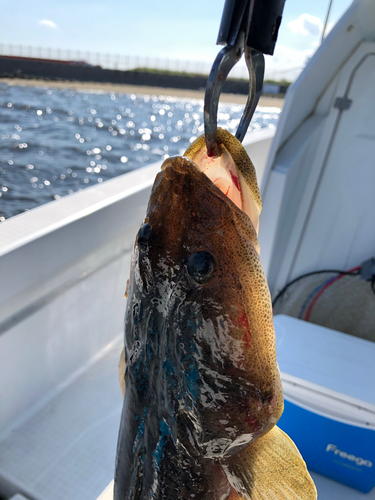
<point x="134" y="89"/>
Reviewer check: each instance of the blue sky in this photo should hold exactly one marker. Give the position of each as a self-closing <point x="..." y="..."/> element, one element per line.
<point x="186" y="29"/>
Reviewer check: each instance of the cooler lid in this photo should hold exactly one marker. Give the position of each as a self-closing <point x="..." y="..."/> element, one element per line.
<point x="328" y="403"/>
<point x="330" y="359"/>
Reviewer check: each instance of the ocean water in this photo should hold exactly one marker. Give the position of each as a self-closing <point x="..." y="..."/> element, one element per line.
<point x="54" y="142"/>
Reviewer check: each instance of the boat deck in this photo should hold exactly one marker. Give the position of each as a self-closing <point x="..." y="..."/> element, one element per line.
<point x="66" y="448"/>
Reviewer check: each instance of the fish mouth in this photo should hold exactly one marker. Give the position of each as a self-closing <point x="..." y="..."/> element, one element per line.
<point x="232" y="173"/>
<point x="222" y="171"/>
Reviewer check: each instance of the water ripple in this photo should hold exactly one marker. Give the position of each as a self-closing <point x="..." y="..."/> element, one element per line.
<point x="54" y="142"/>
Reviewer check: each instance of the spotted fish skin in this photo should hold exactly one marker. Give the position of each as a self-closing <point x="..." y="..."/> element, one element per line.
<point x="202" y="381"/>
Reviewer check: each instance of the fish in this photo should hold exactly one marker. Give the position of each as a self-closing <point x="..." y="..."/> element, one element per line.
<point x="202" y="388"/>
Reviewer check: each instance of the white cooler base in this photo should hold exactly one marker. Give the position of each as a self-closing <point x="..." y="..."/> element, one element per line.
<point x="332" y="490"/>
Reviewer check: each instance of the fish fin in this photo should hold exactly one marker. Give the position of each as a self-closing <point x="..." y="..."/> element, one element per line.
<point x="271" y="468"/>
<point x="121" y="371"/>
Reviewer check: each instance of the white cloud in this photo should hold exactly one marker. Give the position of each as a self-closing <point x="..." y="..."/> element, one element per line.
<point x="306" y="24"/>
<point x="286" y="62"/>
<point x="47" y="23"/>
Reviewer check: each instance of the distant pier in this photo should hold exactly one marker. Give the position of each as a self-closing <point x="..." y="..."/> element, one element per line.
<point x="57" y="70"/>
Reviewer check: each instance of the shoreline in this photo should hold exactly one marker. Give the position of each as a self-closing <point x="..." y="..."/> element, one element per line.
<point x="266" y="101"/>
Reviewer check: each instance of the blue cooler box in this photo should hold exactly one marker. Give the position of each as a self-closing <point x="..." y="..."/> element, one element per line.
<point x="329" y="395"/>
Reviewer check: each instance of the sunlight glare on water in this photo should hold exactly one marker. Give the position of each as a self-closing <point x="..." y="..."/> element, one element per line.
<point x="57" y="141"/>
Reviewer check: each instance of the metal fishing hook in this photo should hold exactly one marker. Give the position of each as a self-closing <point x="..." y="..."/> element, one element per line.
<point x="246" y="27"/>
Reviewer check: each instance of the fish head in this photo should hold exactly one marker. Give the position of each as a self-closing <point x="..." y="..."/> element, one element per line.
<point x="206" y="309"/>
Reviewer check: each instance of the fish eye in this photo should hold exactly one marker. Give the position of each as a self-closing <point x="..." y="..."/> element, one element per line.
<point x="200" y="266"/>
<point x="144" y="234"/>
